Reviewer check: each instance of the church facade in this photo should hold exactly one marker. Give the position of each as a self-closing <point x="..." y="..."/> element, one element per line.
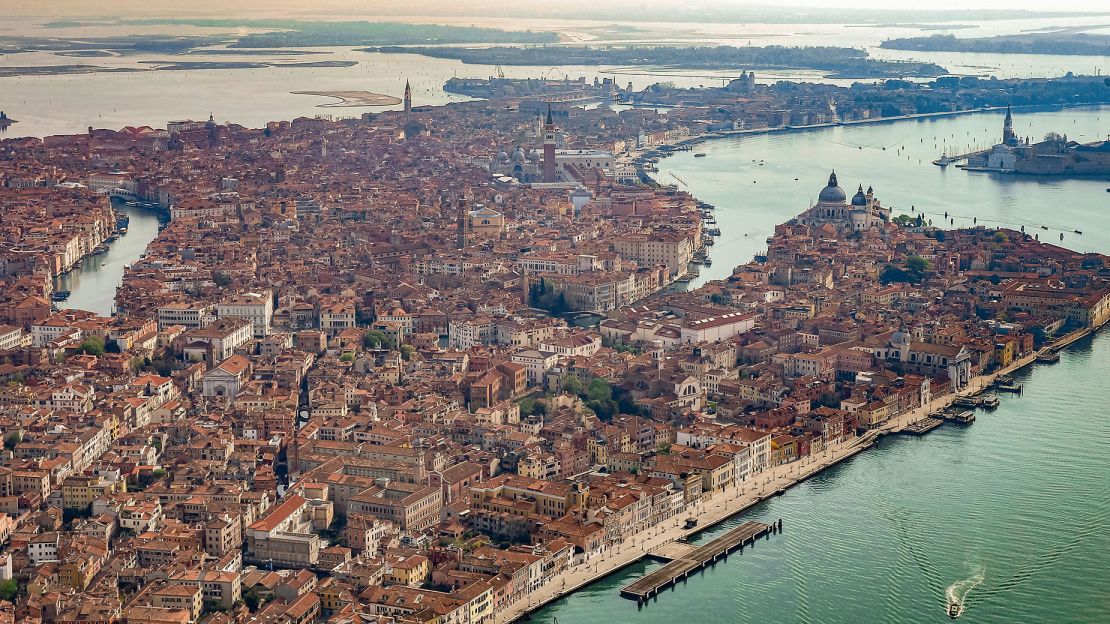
<point x="863" y="212"/>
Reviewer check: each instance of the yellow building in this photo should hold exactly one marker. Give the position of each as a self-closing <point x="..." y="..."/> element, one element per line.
<point x="79" y="491"/>
<point x="412" y="571"/>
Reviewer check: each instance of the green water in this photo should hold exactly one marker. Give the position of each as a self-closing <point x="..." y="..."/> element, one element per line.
<point x="752" y="198"/>
<point x="1010" y="512"/>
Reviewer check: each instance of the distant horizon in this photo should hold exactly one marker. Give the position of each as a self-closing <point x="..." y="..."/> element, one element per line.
<point x="625" y="10"/>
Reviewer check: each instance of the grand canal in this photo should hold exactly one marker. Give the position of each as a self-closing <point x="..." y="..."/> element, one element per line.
<point x="93" y="282"/>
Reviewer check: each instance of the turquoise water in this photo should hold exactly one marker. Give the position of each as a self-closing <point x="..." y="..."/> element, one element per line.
<point x="1011" y="512"/>
<point x="752" y="198"/>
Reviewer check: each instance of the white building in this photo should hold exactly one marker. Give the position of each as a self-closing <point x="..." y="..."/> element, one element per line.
<point x="258" y="308"/>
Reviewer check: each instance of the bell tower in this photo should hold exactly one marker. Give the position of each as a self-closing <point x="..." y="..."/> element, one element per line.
<point x="408" y="98"/>
<point x="549" y="148"/>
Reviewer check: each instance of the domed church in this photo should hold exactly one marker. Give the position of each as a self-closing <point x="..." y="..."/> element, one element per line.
<point x="833" y="208"/>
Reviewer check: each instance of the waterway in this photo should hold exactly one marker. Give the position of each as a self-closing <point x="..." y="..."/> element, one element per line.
<point x="66" y="104"/>
<point x="1009" y="512"/>
<point x="93" y="282"/>
<point x="759" y="181"/>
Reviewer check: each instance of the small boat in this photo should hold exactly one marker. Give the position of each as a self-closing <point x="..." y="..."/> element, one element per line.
<point x="699" y="155"/>
<point x="60" y="295"/>
<point x="691" y="523"/>
<point x="953" y="609"/>
<point x="1078" y="231"/>
<point x="707" y="262"/>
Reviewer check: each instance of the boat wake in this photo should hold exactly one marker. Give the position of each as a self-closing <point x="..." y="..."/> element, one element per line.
<point x="957" y="593"/>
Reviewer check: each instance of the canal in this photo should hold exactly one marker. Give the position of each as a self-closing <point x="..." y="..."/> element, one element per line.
<point x="93" y="281"/>
<point x="1008" y="513"/>
<point x="759" y="181"/>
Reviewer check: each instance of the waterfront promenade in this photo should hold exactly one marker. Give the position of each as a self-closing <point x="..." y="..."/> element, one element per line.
<point x="732" y="501"/>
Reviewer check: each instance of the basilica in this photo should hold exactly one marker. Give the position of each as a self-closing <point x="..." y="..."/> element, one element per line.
<point x="833" y="208"/>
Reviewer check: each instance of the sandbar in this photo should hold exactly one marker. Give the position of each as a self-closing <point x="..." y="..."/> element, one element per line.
<point x="350" y="99"/>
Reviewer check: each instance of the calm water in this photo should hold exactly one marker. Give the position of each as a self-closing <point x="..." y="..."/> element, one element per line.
<point x="46" y="105"/>
<point x="93" y="282"/>
<point x="752" y="181"/>
<point x="1010" y="512"/>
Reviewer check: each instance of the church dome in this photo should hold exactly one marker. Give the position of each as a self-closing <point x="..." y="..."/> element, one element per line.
<point x="832" y="193"/>
<point x="518" y="155"/>
<point x="860" y="198"/>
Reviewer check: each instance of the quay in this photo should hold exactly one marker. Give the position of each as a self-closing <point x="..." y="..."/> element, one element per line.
<point x="923" y="426"/>
<point x="962" y="416"/>
<point x="697" y="559"/>
<point x="740" y="499"/>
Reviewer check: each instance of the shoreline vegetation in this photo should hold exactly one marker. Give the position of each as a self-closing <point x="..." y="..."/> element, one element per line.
<point x="277" y="34"/>
<point x="1057" y="42"/>
<point x="302" y="33"/>
<point x="351" y="99"/>
<point x="838" y="62"/>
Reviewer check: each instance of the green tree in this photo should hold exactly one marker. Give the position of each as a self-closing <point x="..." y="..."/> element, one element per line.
<point x="572" y="384"/>
<point x="917" y="265"/>
<point x="904" y="220"/>
<point x="93" y="345"/>
<point x="407" y="351"/>
<point x="13" y="440"/>
<point x="374" y="339"/>
<point x="9" y="589"/>
<point x="347" y="357"/>
<point x="599" y="390"/>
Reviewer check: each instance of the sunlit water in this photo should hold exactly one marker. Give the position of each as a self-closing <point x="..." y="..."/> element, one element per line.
<point x="1008" y="514"/>
<point x="93" y="282"/>
<point x="751" y="179"/>
<point x="62" y="104"/>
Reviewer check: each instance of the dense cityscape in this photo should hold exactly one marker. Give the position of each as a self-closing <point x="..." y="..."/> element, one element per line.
<point x="441" y="365"/>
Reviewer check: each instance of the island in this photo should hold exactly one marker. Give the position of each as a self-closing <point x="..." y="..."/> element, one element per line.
<point x="1056" y="42"/>
<point x="835" y="62"/>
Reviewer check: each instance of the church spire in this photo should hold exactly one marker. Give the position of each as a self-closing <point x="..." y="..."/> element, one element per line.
<point x="408" y="97"/>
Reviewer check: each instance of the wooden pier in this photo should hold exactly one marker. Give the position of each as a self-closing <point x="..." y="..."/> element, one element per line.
<point x="697" y="558"/>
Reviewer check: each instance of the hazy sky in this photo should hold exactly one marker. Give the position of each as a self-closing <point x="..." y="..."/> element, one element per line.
<point x="280" y="8"/>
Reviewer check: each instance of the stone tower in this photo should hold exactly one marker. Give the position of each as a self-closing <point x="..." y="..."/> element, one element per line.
<point x="549" y="148"/>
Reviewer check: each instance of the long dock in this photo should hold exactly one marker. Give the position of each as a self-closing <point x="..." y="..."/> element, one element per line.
<point x="696" y="559"/>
